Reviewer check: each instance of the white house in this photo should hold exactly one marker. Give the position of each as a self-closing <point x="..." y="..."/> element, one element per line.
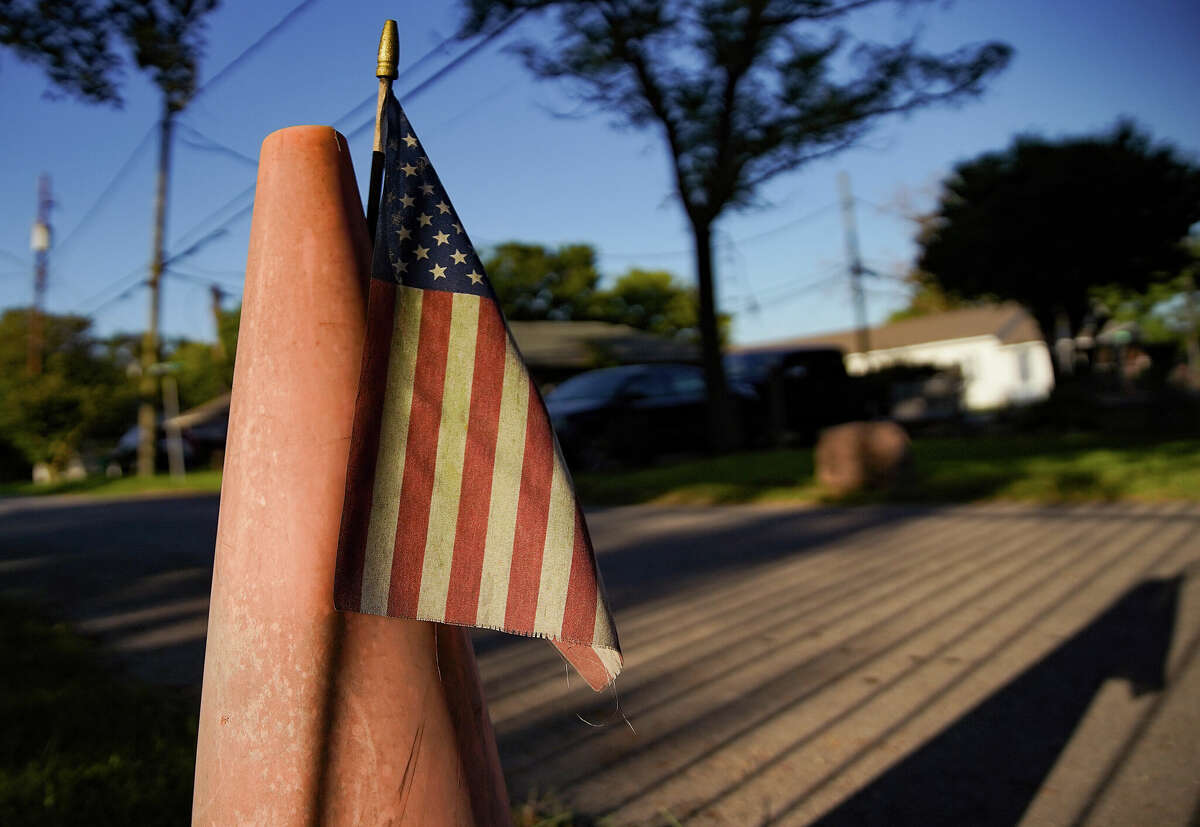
<point x="998" y="348"/>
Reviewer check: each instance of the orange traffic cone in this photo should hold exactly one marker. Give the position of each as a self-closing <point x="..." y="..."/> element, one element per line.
<point x="309" y="716"/>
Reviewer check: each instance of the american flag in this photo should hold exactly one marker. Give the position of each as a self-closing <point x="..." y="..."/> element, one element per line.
<point x="459" y="507"/>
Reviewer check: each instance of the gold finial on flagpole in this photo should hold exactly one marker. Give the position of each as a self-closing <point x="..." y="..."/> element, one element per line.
<point x="389" y="48"/>
<point x="385" y="69"/>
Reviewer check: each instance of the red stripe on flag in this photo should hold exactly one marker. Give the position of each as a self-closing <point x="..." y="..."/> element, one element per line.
<point x="533" y="510"/>
<point x="579" y="619"/>
<point x="487" y="386"/>
<point x="586" y="662"/>
<point x="420" y="456"/>
<point x="364" y="446"/>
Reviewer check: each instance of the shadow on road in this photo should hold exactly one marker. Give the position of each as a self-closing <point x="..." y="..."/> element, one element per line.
<point x="135" y="572"/>
<point x="986" y="768"/>
<point x="138" y="572"/>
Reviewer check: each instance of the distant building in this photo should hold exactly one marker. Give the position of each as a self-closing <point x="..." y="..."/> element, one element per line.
<point x="998" y="349"/>
<point x="555" y="351"/>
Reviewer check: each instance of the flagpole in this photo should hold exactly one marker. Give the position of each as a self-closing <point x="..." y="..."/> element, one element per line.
<point x="385" y="70"/>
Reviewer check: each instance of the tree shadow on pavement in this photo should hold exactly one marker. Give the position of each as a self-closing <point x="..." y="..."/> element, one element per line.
<point x="988" y="766"/>
<point x="134" y="572"/>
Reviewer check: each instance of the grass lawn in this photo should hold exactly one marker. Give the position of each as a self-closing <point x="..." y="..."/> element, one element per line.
<point x="1034" y="468"/>
<point x="81" y="744"/>
<point x="195" y="481"/>
<point x="960" y="469"/>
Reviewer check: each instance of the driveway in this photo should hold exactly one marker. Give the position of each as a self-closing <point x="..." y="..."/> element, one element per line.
<point x="953" y="665"/>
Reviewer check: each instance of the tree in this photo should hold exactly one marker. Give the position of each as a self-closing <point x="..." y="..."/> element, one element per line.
<point x="82" y="394"/>
<point x="654" y="301"/>
<point x="536" y="282"/>
<point x="71" y="40"/>
<point x="743" y="91"/>
<point x="1043" y="222"/>
<point x="927" y="298"/>
<point x="1168" y="311"/>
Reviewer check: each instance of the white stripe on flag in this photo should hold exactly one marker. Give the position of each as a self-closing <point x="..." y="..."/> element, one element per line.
<point x="556" y="554"/>
<point x="389" y="465"/>
<point x="506" y="487"/>
<point x="602" y="630"/>
<point x="451" y="448"/>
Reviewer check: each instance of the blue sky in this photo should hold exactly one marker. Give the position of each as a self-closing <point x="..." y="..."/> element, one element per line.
<point x="516" y="169"/>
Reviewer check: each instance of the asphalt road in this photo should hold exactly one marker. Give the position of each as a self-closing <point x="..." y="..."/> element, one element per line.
<point x="957" y="665"/>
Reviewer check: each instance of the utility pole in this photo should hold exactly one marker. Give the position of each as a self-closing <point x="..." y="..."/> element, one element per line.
<point x="855" y="266"/>
<point x="217" y="294"/>
<point x="147" y="421"/>
<point x="39" y="243"/>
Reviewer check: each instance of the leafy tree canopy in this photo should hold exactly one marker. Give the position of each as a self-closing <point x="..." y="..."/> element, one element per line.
<point x="73" y="41"/>
<point x="534" y="282"/>
<point x="741" y="90"/>
<point x="1045" y="222"/>
<point x="927" y="298"/>
<point x="655" y="301"/>
<point x="86" y="396"/>
<point x="83" y="392"/>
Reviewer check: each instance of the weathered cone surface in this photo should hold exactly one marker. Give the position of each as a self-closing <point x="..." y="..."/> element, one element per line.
<point x="862" y="455"/>
<point x="309" y="716"/>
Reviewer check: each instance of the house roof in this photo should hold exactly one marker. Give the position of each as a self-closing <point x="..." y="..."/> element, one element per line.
<point x="1008" y="322"/>
<point x="575" y="344"/>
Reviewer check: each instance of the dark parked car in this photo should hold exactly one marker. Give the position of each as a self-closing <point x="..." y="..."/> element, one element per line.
<point x="803" y="389"/>
<point x="634" y="413"/>
<point x="124" y="454"/>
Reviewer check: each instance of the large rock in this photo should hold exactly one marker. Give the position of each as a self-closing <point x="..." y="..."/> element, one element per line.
<point x="857" y="456"/>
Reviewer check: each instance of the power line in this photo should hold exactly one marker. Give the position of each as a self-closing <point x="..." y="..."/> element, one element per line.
<point x="787" y="225"/>
<point x="194" y="241"/>
<point x="795" y="222"/>
<point x="204" y="143"/>
<point x="831" y="270"/>
<point x="14" y="257"/>
<point x="209" y="271"/>
<point x="462" y="57"/>
<point x="124" y="294"/>
<point x="137" y="272"/>
<point x="420" y="87"/>
<point x="105" y="193"/>
<point x="892" y="211"/>
<point x="137" y="150"/>
<point x="792" y="293"/>
<point x="252" y="48"/>
<point x="407" y="70"/>
<point x="207" y="281"/>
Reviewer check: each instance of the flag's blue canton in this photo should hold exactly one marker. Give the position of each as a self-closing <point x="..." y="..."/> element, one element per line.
<point x="419" y="240"/>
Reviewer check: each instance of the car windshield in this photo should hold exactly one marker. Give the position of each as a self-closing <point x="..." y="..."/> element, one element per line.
<point x="595" y="384"/>
<point x="750" y="367"/>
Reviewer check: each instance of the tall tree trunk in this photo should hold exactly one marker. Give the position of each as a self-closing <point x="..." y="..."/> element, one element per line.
<point x="722" y="429"/>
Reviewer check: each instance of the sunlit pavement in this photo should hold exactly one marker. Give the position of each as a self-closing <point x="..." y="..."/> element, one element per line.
<point x="959" y="665"/>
